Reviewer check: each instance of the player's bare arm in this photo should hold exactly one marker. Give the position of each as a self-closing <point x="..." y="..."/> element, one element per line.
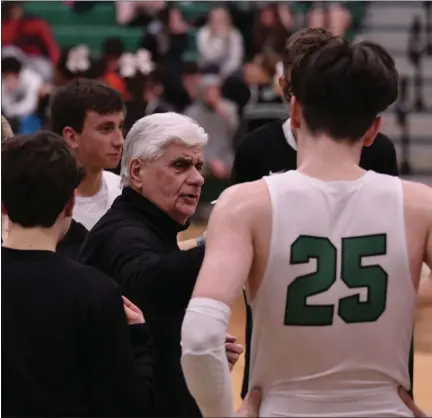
<point x="220" y="282"/>
<point x="419" y="237"/>
<point x="425" y="287"/>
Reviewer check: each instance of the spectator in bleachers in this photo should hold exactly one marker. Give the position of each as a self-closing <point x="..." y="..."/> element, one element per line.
<point x="29" y="36"/>
<point x="20" y="93"/>
<point x="271" y="28"/>
<point x="112" y="50"/>
<point x="220" y="44"/>
<point x="167" y="40"/>
<point x="74" y="63"/>
<point x="144" y="84"/>
<point x="219" y="118"/>
<point x="253" y="90"/>
<point x="333" y="16"/>
<point x="137" y="13"/>
<point x="191" y="78"/>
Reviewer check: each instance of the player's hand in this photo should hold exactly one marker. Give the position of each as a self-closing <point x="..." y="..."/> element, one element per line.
<point x="407" y="400"/>
<point x="251" y="404"/>
<point x="133" y="313"/>
<point x="233" y="350"/>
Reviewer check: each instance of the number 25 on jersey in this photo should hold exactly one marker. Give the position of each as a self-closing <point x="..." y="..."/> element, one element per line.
<point x="350" y="309"/>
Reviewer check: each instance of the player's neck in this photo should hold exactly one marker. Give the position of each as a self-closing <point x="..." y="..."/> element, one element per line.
<point x="42" y="239"/>
<point x="91" y="184"/>
<point x="328" y="160"/>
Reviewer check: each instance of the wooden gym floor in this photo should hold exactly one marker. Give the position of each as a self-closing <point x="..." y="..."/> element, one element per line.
<point x="422" y="356"/>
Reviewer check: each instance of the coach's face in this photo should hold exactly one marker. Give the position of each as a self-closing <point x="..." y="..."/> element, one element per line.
<point x="100" y="143"/>
<point x="172" y="182"/>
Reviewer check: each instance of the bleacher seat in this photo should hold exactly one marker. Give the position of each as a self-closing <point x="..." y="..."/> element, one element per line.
<point x="91" y="27"/>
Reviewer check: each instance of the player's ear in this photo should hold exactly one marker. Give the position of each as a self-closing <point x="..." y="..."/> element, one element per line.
<point x="295" y="113"/>
<point x="371" y="133"/>
<point x="71" y="137"/>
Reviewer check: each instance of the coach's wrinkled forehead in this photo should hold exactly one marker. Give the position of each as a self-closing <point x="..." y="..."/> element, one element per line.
<point x="149" y="136"/>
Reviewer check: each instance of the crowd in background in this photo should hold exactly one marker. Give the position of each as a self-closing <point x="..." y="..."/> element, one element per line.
<point x="229" y="89"/>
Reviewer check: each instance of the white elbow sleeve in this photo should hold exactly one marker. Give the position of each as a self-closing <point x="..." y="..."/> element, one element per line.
<point x="204" y="361"/>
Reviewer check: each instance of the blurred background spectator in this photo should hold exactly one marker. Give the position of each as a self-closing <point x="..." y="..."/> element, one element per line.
<point x="216" y="61"/>
<point x="29" y="38"/>
<point x="219" y="43"/>
<point x="220" y="120"/>
<point x="20" y="94"/>
<point x="137" y="13"/>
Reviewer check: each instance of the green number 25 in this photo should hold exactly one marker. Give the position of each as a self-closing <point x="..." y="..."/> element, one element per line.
<point x="299" y="313"/>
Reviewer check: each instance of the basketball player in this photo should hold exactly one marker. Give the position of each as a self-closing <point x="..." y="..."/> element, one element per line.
<point x="331" y="255"/>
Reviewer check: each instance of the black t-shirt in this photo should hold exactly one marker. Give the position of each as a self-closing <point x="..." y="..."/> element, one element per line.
<point x="66" y="346"/>
<point x="266" y="150"/>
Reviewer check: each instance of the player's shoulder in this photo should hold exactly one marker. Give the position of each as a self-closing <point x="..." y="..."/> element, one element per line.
<point x="87" y="276"/>
<point x="418" y="196"/>
<point x="243" y="198"/>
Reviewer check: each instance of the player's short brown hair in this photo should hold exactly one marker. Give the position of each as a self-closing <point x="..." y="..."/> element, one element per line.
<point x="39" y="174"/>
<point x="72" y="102"/>
<point x="302" y="41"/>
<point x="343" y="86"/>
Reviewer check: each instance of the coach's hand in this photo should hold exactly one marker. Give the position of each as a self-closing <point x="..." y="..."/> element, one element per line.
<point x="233" y="350"/>
<point x="251" y="404"/>
<point x="407" y="400"/>
<point x="133" y="313"/>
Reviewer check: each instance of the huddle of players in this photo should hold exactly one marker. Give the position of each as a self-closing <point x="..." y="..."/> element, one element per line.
<point x="310" y="92"/>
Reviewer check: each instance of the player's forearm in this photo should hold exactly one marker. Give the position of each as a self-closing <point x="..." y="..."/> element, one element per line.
<point x="204" y="361"/>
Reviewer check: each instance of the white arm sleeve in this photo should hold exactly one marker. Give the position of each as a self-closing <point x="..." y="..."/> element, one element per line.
<point x="203" y="360"/>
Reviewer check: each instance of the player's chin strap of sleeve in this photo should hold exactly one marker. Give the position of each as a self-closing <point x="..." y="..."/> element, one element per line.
<point x="204" y="361"/>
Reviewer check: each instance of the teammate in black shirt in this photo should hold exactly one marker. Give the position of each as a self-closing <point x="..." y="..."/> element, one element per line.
<point x="66" y="348"/>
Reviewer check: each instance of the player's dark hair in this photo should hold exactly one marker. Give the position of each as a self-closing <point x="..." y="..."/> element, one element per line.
<point x="71" y="103"/>
<point x="300" y="42"/>
<point x="39" y="174"/>
<point x="343" y="86"/>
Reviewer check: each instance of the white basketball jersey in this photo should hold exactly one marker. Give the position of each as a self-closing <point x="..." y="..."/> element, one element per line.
<point x="333" y="317"/>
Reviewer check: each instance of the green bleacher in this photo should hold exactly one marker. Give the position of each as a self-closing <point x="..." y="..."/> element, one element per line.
<point x="90" y="28"/>
<point x="95" y="25"/>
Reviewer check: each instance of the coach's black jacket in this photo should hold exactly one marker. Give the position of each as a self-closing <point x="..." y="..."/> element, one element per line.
<point x="266" y="150"/>
<point x="135" y="243"/>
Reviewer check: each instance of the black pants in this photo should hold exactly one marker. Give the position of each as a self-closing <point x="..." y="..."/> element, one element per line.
<point x="248" y="347"/>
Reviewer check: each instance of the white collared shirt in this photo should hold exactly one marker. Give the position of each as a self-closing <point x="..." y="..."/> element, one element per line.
<point x="289" y="136"/>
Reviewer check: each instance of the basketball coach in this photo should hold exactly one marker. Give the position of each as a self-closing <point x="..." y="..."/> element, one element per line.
<point x="272" y="148"/>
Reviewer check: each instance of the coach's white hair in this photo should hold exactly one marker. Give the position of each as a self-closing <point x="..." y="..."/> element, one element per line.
<point x="150" y="134"/>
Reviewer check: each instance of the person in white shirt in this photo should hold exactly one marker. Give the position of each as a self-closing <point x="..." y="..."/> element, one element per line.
<point x="19" y="88"/>
<point x="90" y="116"/>
<point x="219" y="43"/>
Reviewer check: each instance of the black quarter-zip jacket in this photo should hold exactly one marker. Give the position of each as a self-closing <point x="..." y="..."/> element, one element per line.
<point x="135" y="243"/>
